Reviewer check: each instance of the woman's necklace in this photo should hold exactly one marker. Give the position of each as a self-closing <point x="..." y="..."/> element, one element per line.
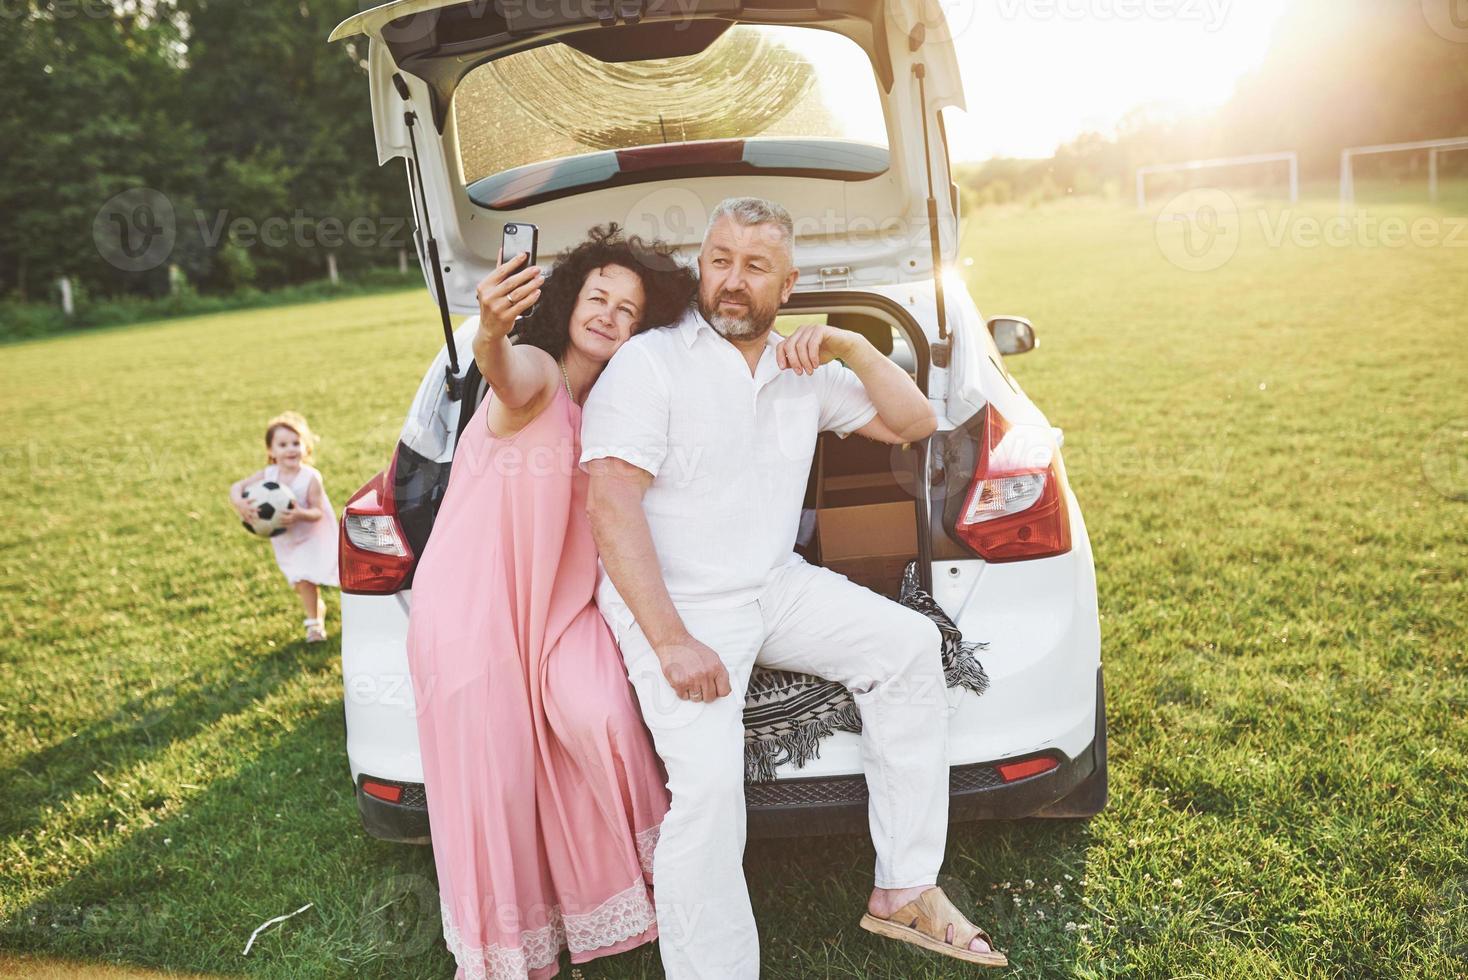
<point x="566" y="378"/>
<point x="570" y="394"/>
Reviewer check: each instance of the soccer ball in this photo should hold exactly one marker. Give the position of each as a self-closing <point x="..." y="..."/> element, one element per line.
<point x="271" y="499"/>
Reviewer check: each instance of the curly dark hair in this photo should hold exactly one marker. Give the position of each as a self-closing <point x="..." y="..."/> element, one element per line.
<point x="669" y="286"/>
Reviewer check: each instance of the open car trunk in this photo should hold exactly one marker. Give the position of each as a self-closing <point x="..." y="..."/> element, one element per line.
<point x="649" y="112"/>
<point x="864" y="513"/>
<point x="859" y="516"/>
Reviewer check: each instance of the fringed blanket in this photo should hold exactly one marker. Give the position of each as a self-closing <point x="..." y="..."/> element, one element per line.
<point x="787" y="714"/>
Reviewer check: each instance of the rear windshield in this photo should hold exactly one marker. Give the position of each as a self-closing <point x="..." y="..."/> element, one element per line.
<point x="552" y="120"/>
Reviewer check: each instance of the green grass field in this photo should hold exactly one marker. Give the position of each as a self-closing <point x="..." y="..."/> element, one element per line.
<point x="1267" y="453"/>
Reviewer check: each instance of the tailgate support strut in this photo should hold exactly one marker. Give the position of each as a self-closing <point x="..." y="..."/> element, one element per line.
<point x="452" y="383"/>
<point x="921" y="71"/>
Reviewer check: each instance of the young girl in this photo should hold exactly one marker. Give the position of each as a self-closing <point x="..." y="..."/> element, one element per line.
<point x="306" y="552"/>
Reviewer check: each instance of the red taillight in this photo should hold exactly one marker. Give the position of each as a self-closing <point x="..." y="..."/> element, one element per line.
<point x="1015" y="508"/>
<point x="382" y="791"/>
<point x="374" y="557"/>
<point x="1010" y="771"/>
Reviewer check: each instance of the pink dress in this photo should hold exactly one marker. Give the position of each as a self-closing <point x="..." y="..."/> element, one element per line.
<point x="306" y="552"/>
<point x="545" y="795"/>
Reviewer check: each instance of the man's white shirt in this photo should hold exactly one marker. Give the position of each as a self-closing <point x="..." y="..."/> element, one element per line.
<point x="730" y="453"/>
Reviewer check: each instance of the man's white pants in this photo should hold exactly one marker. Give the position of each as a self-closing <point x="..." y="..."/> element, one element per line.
<point x="815" y="621"/>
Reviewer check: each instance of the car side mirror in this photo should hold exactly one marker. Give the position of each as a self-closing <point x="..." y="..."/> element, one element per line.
<point x="1012" y="334"/>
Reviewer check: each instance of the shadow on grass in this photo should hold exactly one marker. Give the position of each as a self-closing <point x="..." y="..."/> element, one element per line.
<point x="283" y="831"/>
<point x="810" y="893"/>
<point x="143" y="726"/>
<point x="188" y="892"/>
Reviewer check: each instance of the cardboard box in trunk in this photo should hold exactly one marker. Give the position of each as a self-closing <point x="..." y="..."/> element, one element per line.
<point x="870" y="544"/>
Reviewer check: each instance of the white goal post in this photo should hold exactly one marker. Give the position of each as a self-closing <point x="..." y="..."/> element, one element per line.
<point x="1255" y="158"/>
<point x="1433" y="148"/>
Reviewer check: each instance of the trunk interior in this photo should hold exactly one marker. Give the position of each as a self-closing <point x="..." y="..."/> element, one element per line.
<point x="858" y="517"/>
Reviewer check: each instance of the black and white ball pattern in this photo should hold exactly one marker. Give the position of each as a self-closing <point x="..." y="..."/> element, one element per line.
<point x="271" y="499"/>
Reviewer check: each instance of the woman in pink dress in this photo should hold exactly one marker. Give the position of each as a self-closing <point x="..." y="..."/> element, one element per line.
<point x="545" y="795"/>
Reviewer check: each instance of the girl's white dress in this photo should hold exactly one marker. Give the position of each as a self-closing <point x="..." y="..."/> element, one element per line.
<point x="306" y="552"/>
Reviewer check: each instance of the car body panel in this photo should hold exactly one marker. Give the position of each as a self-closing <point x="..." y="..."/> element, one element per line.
<point x="862" y="232"/>
<point x="380" y="706"/>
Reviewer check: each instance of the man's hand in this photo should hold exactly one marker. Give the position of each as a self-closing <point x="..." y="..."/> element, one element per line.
<point x="903" y="412"/>
<point x="814" y="344"/>
<point x="693" y="669"/>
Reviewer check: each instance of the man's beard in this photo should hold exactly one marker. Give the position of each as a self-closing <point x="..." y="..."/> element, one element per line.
<point x="755" y="321"/>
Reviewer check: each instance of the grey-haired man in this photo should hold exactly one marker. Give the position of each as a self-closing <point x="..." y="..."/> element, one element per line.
<point x="699" y="439"/>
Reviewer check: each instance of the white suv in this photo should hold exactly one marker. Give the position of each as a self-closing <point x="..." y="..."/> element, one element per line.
<point x="570" y="113"/>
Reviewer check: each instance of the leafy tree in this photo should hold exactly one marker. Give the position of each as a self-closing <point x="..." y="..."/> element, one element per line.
<point x="92" y="113"/>
<point x="287" y="135"/>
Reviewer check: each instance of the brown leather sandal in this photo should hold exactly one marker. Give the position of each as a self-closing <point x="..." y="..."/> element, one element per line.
<point x="924" y="922"/>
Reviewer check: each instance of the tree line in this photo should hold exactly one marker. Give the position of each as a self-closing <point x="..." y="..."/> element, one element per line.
<point x="236" y="115"/>
<point x="239" y="119"/>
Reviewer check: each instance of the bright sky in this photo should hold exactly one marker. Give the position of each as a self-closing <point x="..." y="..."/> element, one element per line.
<point x="1039" y="72"/>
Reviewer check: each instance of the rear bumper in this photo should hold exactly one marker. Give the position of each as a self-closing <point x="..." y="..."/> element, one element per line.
<point x="405" y="822"/>
<point x="811" y="807"/>
<point x="818" y="805"/>
<point x="803" y="808"/>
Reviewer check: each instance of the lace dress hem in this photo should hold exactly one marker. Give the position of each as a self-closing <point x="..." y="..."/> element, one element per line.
<point x="624" y="916"/>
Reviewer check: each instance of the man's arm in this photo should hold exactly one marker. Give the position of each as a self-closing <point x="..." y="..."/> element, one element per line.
<point x="903" y="411"/>
<point x="619" y="525"/>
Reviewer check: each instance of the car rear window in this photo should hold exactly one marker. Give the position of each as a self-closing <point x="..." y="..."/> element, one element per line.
<point x="781" y="98"/>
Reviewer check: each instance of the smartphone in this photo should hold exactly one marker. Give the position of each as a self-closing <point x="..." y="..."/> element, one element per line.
<point x="520" y="237"/>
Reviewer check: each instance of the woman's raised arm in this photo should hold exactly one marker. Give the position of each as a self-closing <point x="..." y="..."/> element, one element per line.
<point x="519" y="374"/>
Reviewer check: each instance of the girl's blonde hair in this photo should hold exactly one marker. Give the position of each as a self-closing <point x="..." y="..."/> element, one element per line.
<point x="296" y="422"/>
